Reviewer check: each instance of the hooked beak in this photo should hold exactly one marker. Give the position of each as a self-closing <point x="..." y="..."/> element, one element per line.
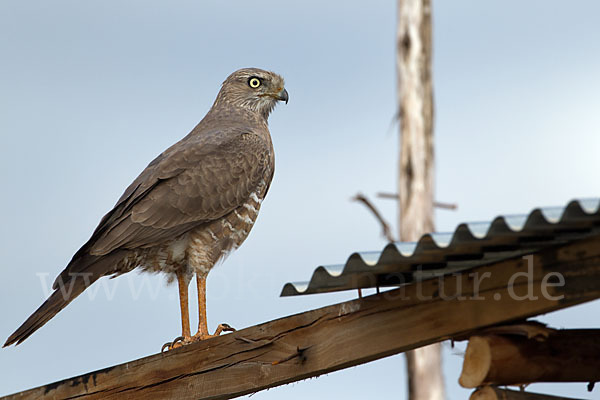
<point x="283" y="96"/>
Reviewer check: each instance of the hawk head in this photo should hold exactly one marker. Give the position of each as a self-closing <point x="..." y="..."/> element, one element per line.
<point x="253" y="89"/>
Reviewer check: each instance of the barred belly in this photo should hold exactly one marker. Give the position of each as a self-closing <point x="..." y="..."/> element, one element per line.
<point x="198" y="250"/>
<point x="212" y="242"/>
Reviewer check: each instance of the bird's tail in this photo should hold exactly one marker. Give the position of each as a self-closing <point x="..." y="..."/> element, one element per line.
<point x="58" y="300"/>
<point x="81" y="272"/>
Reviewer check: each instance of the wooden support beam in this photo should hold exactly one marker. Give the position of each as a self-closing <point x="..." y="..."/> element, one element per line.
<point x="563" y="356"/>
<point x="347" y="334"/>
<point x="494" y="393"/>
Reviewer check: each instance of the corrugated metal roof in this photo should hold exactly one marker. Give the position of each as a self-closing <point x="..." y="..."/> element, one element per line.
<point x="470" y="245"/>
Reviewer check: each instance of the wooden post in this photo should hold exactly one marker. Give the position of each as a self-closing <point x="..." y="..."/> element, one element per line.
<point x="494" y="393"/>
<point x="416" y="167"/>
<point x="564" y="356"/>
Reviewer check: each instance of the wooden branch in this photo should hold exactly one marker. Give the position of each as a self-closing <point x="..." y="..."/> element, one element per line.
<point x="346" y="334"/>
<point x="387" y="232"/>
<point x="436" y="204"/>
<point x="563" y="356"/>
<point x="445" y="206"/>
<point x="494" y="393"/>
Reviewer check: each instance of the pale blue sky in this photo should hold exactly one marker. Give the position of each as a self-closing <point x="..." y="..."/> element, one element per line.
<point x="91" y="91"/>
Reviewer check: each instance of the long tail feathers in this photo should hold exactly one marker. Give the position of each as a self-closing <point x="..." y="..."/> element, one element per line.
<point x="81" y="272"/>
<point x="58" y="300"/>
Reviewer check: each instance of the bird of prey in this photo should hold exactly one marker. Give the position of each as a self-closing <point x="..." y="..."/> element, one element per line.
<point x="189" y="208"/>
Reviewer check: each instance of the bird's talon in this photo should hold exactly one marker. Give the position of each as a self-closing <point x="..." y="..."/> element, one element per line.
<point x="177" y="342"/>
<point x="227" y="328"/>
<point x="223" y="328"/>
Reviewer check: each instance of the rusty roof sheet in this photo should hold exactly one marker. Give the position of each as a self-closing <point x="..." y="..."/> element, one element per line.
<point x="470" y="245"/>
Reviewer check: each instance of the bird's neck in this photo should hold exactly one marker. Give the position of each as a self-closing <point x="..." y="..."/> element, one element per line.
<point x="258" y="107"/>
<point x="232" y="110"/>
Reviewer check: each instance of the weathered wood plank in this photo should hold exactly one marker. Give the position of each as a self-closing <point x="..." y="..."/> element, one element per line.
<point x="346" y="334"/>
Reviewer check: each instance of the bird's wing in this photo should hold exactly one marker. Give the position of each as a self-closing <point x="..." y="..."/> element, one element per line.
<point x="191" y="183"/>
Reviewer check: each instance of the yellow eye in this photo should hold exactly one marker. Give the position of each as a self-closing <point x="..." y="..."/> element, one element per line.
<point x="254" y="82"/>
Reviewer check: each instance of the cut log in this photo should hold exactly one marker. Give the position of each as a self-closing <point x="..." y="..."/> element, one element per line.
<point x="493" y="393"/>
<point x="564" y="356"/>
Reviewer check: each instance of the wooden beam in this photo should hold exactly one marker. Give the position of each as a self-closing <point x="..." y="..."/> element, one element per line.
<point x="494" y="393"/>
<point x="346" y="334"/>
<point x="563" y="356"/>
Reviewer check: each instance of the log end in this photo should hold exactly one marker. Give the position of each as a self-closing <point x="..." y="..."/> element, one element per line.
<point x="484" y="393"/>
<point x="476" y="364"/>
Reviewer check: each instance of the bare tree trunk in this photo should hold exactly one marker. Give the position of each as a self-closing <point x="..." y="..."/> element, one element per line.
<point x="416" y="167"/>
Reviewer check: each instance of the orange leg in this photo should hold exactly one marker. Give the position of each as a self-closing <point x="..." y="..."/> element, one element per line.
<point x="202" y="333"/>
<point x="185" y="337"/>
<point x="183" y="304"/>
<point x="202" y="323"/>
